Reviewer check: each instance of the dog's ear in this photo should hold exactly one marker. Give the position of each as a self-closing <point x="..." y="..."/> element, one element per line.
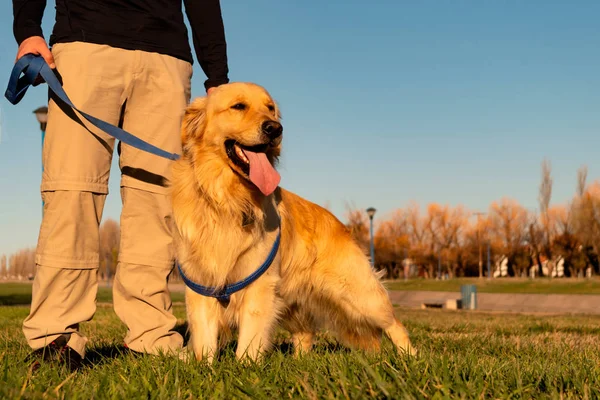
<point x="194" y="121"/>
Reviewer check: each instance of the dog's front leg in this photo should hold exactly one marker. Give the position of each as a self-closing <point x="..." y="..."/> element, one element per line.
<point x="258" y="314"/>
<point x="203" y="315"/>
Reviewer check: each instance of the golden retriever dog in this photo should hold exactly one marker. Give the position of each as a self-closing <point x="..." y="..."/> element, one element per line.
<point x="229" y="211"/>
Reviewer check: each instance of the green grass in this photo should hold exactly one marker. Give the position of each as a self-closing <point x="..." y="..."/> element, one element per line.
<point x="20" y="294"/>
<point x="503" y="285"/>
<point x="462" y="355"/>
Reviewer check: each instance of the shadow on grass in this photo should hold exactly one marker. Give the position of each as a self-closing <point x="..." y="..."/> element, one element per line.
<point x="286" y="348"/>
<point x="102" y="354"/>
<point x="99" y="355"/>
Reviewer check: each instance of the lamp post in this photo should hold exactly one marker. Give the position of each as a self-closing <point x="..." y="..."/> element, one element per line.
<point x="371" y="213"/>
<point x="41" y="114"/>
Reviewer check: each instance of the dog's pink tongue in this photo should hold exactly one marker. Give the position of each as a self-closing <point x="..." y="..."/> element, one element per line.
<point x="262" y="173"/>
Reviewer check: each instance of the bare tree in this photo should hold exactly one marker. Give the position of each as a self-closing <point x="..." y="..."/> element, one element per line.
<point x="545" y="187"/>
<point x="358" y="225"/>
<point x="391" y="243"/>
<point x="421" y="247"/>
<point x="581" y="178"/>
<point x="445" y="225"/>
<point x="586" y="223"/>
<point x="22" y="263"/>
<point x="3" y="266"/>
<point x="509" y="224"/>
<point x="472" y="242"/>
<point x="536" y="241"/>
<point x="543" y="246"/>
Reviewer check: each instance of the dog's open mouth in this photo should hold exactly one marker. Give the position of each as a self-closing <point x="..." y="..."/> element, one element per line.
<point x="252" y="161"/>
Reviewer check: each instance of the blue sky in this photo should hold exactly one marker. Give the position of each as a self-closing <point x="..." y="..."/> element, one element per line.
<point x="456" y="102"/>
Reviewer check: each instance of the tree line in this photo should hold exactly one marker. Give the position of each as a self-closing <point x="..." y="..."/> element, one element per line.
<point x="450" y="241"/>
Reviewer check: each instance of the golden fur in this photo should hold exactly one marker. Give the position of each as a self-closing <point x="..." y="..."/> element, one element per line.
<point x="320" y="278"/>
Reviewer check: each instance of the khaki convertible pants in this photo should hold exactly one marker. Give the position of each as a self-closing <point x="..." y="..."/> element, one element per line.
<point x="147" y="93"/>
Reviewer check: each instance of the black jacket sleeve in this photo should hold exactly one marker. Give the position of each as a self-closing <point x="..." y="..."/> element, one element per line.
<point x="208" y="34"/>
<point x="27" y="18"/>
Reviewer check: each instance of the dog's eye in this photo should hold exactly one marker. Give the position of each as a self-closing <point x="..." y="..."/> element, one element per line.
<point x="271" y="107"/>
<point x="239" y="106"/>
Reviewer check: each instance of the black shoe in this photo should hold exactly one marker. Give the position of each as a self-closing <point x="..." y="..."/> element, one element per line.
<point x="55" y="352"/>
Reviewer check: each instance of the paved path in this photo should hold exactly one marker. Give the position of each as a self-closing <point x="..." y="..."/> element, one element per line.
<point x="512" y="302"/>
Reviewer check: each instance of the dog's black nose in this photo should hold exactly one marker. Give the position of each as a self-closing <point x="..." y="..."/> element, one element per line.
<point x="272" y="129"/>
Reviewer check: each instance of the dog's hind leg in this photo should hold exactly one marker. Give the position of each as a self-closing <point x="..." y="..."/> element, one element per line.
<point x="203" y="315"/>
<point x="302" y="328"/>
<point x="303" y="342"/>
<point x="399" y="336"/>
<point x="369" y="311"/>
<point x="365" y="304"/>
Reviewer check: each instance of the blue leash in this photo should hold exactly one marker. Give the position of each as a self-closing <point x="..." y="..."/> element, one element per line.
<point x="224" y="294"/>
<point x="32" y="67"/>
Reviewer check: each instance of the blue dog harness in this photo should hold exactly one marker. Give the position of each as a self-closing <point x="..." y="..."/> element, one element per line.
<point x="33" y="67"/>
<point x="223" y="295"/>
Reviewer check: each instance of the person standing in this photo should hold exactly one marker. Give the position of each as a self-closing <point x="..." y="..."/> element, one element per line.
<point x="130" y="64"/>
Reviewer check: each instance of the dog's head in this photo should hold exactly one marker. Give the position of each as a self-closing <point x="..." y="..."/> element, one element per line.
<point x="238" y="127"/>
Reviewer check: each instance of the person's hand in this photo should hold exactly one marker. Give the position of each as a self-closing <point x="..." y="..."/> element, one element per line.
<point x="36" y="45"/>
